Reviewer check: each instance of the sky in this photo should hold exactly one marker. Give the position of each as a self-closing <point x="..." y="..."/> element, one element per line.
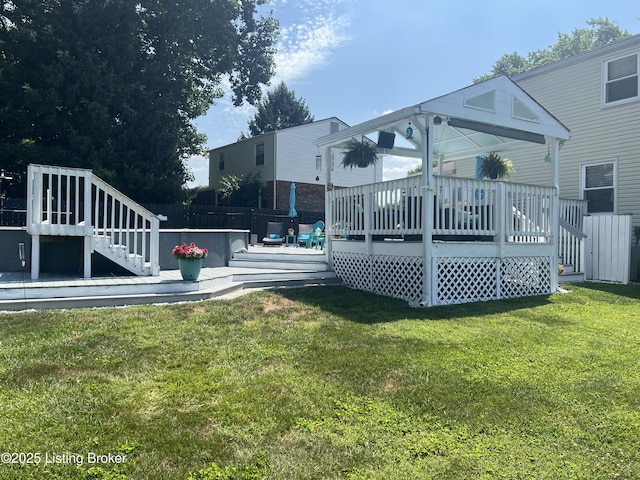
<point x="359" y="59"/>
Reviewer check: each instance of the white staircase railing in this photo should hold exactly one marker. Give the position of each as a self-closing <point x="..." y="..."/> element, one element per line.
<point x="75" y="202"/>
<point x="571" y="241"/>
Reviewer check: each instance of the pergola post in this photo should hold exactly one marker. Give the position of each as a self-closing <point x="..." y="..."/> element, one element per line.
<point x="555" y="214"/>
<point x="427" y="187"/>
<point x="328" y="218"/>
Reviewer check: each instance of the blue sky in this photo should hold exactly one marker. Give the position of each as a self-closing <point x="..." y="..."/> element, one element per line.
<point x="358" y="59"/>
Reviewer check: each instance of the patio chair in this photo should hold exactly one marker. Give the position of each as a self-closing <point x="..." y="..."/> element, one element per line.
<point x="274" y="234"/>
<point x="304" y="234"/>
<point x="317" y="235"/>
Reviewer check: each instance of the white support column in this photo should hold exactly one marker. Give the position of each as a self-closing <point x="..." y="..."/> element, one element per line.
<point x="328" y="217"/>
<point x="368" y="206"/>
<point x="154" y="252"/>
<point x="427" y="188"/>
<point x="86" y="256"/>
<point x="35" y="257"/>
<point x="503" y="212"/>
<point x="555" y="216"/>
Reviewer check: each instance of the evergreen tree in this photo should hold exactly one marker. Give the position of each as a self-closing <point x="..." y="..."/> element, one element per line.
<point x="114" y="85"/>
<point x="280" y="109"/>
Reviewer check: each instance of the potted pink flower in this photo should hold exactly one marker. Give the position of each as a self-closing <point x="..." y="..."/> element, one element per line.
<point x="190" y="258"/>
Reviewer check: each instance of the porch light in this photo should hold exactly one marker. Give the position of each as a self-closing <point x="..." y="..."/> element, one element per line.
<point x="547" y="159"/>
<point x="318" y="162"/>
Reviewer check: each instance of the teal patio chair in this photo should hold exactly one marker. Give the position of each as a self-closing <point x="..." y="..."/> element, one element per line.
<point x="317" y="235"/>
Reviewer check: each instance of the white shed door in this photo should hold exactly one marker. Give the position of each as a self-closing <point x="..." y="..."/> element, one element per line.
<point x="608" y="248"/>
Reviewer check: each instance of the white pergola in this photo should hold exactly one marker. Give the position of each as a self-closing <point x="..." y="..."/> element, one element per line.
<point x="495" y="115"/>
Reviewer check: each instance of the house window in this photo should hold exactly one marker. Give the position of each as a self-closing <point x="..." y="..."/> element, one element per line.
<point x="221" y="162"/>
<point x="621" y="80"/>
<point x="599" y="186"/>
<point x="260" y="154"/>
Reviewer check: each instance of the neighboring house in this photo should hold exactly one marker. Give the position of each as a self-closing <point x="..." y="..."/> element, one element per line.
<point x="285" y="156"/>
<point x="597" y="96"/>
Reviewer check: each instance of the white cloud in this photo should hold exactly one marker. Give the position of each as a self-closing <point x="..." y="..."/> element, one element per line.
<point x="309" y="31"/>
<point x="397" y="167"/>
<point x="304" y="47"/>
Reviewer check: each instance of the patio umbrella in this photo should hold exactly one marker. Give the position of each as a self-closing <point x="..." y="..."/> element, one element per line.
<point x="292" y="201"/>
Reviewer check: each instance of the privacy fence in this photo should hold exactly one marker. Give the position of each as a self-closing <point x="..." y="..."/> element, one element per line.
<point x="13" y="214"/>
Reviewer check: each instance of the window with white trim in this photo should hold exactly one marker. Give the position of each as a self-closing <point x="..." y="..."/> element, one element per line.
<point x="621" y="80"/>
<point x="598" y="182"/>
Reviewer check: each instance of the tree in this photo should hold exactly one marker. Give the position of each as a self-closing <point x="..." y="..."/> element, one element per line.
<point x="242" y="191"/>
<point x="280" y="109"/>
<point x="114" y="85"/>
<point x="600" y="32"/>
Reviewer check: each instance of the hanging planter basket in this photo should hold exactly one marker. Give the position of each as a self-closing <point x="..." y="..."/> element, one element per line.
<point x="494" y="167"/>
<point x="359" y="154"/>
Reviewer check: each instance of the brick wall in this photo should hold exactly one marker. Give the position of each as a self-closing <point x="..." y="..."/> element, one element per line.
<point x="309" y="197"/>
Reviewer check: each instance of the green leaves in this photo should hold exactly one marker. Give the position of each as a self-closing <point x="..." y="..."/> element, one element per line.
<point x="114" y="86"/>
<point x="601" y="32"/>
<point x="359" y="154"/>
<point x="280" y="109"/>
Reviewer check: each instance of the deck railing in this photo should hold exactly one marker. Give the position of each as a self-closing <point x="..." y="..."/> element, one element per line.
<point x="75" y="202"/>
<point x="462" y="206"/>
<point x="572" y="237"/>
<point x="130" y="226"/>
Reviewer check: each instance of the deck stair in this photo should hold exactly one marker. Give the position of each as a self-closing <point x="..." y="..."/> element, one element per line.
<point x="281" y="258"/>
<point x="571" y="249"/>
<point x="74" y="202"/>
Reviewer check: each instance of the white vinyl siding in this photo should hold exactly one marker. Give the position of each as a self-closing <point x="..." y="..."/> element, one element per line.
<point x="573" y="91"/>
<point x="297" y="157"/>
<point x="620" y="83"/>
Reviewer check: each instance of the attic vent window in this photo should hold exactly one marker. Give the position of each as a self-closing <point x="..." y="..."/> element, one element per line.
<point x="485" y="101"/>
<point x="621" y="80"/>
<point x="520" y="110"/>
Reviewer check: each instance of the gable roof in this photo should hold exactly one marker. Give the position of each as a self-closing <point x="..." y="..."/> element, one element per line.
<point x="493" y="115"/>
<point x="262" y="136"/>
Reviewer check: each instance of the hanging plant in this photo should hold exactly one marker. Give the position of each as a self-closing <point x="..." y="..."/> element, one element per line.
<point x="494" y="167"/>
<point x="359" y="154"/>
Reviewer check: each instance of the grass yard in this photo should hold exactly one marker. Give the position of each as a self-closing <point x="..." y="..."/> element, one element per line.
<point x="326" y="383"/>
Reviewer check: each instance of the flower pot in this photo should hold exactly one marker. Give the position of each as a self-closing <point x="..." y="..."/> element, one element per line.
<point x="190" y="269"/>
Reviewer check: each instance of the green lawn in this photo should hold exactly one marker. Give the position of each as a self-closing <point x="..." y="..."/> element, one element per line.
<point x="326" y="382"/>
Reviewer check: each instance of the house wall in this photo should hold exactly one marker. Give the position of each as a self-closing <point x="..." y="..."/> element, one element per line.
<point x="296" y="155"/>
<point x="572" y="91"/>
<point x="240" y="158"/>
<point x="290" y="156"/>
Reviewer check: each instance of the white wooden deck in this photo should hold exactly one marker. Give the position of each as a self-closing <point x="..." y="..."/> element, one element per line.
<point x="19" y="292"/>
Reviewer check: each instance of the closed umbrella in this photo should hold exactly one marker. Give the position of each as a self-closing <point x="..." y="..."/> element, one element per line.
<point x="292" y="201"/>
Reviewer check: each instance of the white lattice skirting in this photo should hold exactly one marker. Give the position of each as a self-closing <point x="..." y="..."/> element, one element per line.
<point x="392" y="276"/>
<point x="462" y="280"/>
<point x="458" y="279"/>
